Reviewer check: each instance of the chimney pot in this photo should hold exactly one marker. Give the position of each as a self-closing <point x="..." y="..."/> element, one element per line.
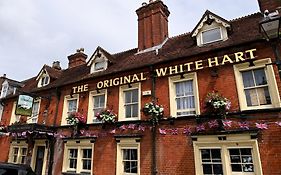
<point x="56" y="65"/>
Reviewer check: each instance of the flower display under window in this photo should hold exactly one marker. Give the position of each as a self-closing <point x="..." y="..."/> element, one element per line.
<point x="154" y="111"/>
<point x="76" y="118"/>
<point x="217" y="104"/>
<point x="106" y="116"/>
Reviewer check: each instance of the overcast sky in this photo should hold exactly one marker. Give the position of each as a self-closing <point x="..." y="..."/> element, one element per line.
<point x="38" y="32"/>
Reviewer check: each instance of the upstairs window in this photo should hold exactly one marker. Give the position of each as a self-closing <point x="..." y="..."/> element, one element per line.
<point x="44" y="80"/>
<point x="129" y="108"/>
<point x="35" y="112"/>
<point x="70" y="105"/>
<point x="4" y="90"/>
<point x="256" y="87"/>
<point x="99" y="65"/>
<point x="97" y="102"/>
<point x="211" y="35"/>
<point x="184" y="99"/>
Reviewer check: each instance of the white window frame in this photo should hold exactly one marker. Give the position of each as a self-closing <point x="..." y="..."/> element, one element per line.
<point x="271" y="81"/>
<point x="72" y="144"/>
<point x="21" y="145"/>
<point x="65" y="112"/>
<point x="172" y="92"/>
<point x="122" y="111"/>
<point x="126" y="143"/>
<point x="99" y="60"/>
<point x="1" y="111"/>
<point x="34" y="154"/>
<point x="42" y="80"/>
<point x="33" y="117"/>
<point x="232" y="141"/>
<point x="14" y="118"/>
<point x="220" y="39"/>
<point x="91" y="117"/>
<point x="5" y="89"/>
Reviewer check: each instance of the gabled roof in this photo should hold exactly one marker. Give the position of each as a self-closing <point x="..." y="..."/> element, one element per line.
<point x="208" y="18"/>
<point x="52" y="72"/>
<point x="178" y="47"/>
<point x="99" y="50"/>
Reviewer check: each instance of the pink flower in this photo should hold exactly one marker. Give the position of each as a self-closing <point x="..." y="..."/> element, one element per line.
<point x="174" y="131"/>
<point x="141" y="128"/>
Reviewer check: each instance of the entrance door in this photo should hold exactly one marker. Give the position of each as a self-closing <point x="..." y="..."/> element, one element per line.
<point x="39" y="160"/>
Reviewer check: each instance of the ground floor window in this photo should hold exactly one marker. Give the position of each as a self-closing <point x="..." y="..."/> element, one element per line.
<point x="78" y="157"/>
<point x="128" y="157"/>
<point x="18" y="153"/>
<point x="228" y="157"/>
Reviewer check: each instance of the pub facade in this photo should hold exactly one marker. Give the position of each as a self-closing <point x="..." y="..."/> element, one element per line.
<point x="205" y="102"/>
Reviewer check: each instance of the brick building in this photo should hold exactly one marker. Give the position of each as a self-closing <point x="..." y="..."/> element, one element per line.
<point x="218" y="85"/>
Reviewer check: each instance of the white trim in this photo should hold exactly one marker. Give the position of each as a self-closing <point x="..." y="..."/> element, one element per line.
<point x="43" y="74"/>
<point x="34" y="155"/>
<point x="65" y="107"/>
<point x="233" y="141"/>
<point x="92" y="94"/>
<point x="122" y="111"/>
<point x="209" y="29"/>
<point x="71" y="144"/>
<point x="272" y="85"/>
<point x="21" y="145"/>
<point x="126" y="143"/>
<point x="172" y="90"/>
<point x="29" y="119"/>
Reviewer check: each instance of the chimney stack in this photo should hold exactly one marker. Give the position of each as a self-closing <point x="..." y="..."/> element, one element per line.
<point x="152" y="24"/>
<point x="56" y="65"/>
<point x="270" y="5"/>
<point x="77" y="59"/>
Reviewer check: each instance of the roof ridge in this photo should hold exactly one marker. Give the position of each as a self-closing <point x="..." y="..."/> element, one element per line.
<point x="243" y="17"/>
<point x="129" y="50"/>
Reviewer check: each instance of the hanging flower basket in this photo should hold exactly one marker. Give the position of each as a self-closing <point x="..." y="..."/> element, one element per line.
<point x="216" y="104"/>
<point x="106" y="116"/>
<point x="77" y="120"/>
<point x="154" y="111"/>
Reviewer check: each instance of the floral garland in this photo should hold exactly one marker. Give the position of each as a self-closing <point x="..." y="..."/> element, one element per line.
<point x="106" y="116"/>
<point x="216" y="104"/>
<point x="154" y="111"/>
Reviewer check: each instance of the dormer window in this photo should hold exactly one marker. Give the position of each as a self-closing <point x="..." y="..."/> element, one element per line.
<point x="210" y="29"/>
<point x="44" y="79"/>
<point x="4" y="90"/>
<point x="99" y="65"/>
<point x="211" y="35"/>
<point x="100" y="60"/>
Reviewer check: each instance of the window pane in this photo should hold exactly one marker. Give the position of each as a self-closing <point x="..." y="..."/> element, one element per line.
<point x="135" y="96"/>
<point x="241" y="160"/>
<point x="99" y="65"/>
<point x="248" y="79"/>
<point x="211" y="35"/>
<point x="72" y="104"/>
<point x="87" y="153"/>
<point x="207" y="169"/>
<point x="260" y="77"/>
<point x="135" y="110"/>
<point x="251" y="97"/>
<point x="128" y="97"/>
<point x="128" y="111"/>
<point x="264" y="96"/>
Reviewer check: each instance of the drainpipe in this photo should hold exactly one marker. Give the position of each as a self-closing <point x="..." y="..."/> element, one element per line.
<point x="153" y="97"/>
<point x="53" y="140"/>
